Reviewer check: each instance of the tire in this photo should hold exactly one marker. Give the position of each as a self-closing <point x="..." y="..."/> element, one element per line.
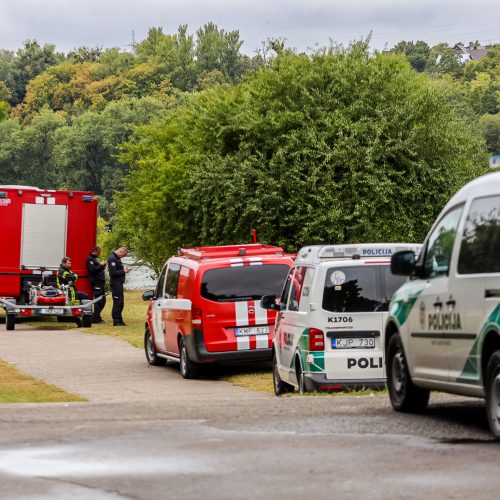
<point x="87" y="321"/>
<point x="404" y="395"/>
<point x="300" y="378"/>
<point x="280" y="387"/>
<point x="10" y="321"/>
<point x="187" y="368"/>
<point x="492" y="390"/>
<point x="150" y="350"/>
<point x="79" y="322"/>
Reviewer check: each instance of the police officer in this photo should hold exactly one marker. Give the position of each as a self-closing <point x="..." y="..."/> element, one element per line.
<point x="66" y="277"/>
<point x="117" y="275"/>
<point x="97" y="280"/>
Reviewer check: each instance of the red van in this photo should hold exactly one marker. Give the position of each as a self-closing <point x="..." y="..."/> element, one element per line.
<point x="206" y="306"/>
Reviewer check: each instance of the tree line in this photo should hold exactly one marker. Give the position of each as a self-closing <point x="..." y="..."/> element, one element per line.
<point x="188" y="141"/>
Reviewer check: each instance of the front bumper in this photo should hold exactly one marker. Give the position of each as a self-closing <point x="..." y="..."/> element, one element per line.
<point x="319" y="382"/>
<point x="198" y="353"/>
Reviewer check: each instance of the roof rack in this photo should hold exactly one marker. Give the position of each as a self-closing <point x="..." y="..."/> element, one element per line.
<point x="222" y="251"/>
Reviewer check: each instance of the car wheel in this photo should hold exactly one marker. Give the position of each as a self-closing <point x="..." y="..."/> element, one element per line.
<point x="404" y="395"/>
<point x="187" y="368"/>
<point x="150" y="350"/>
<point x="493" y="393"/>
<point x="79" y="322"/>
<point x="300" y="378"/>
<point x="10" y="321"/>
<point x="87" y="321"/>
<point x="280" y="387"/>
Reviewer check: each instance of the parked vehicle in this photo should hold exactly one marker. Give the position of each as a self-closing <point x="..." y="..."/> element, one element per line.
<point x="331" y="316"/>
<point x="206" y="306"/>
<point x="443" y="331"/>
<point x="38" y="227"/>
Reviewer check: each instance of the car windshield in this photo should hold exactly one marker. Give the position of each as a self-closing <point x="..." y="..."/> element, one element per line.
<point x="359" y="289"/>
<point x="241" y="283"/>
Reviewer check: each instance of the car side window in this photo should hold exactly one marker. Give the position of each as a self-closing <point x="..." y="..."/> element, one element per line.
<point x="286" y="289"/>
<point x="296" y="288"/>
<point x="172" y="280"/>
<point x="440" y="245"/>
<point x="480" y="246"/>
<point x="306" y="289"/>
<point x="161" y="282"/>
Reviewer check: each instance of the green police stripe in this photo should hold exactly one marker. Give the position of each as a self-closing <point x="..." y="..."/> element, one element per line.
<point x="471" y="372"/>
<point x="318" y="363"/>
<point x="403" y="303"/>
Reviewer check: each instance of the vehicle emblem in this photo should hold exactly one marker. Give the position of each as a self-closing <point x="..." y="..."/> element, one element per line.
<point x="251" y="310"/>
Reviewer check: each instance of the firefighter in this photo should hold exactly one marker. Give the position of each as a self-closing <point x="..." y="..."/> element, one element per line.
<point x="66" y="277"/>
<point x="97" y="279"/>
<point x="117" y="275"/>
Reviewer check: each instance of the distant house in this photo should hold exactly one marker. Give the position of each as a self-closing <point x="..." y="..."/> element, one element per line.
<point x="472" y="52"/>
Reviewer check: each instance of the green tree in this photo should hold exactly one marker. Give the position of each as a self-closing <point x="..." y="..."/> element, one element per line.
<point x="490" y="127"/>
<point x="326" y="148"/>
<point x="86" y="149"/>
<point x="417" y="53"/>
<point x="444" y="60"/>
<point x="30" y="61"/>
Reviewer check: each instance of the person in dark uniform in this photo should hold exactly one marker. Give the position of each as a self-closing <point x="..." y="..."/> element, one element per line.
<point x="97" y="279"/>
<point x="117" y="275"/>
<point x="66" y="277"/>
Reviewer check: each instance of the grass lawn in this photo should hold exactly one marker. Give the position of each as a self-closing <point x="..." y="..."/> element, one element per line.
<point x="15" y="387"/>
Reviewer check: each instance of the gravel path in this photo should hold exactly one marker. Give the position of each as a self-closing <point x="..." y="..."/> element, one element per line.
<point x="103" y="369"/>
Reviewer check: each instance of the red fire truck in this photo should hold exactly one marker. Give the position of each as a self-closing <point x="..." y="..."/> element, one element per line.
<point x="38" y="227"/>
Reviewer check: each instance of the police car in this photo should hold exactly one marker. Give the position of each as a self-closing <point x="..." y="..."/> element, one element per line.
<point x="331" y="314"/>
<point x="443" y="330"/>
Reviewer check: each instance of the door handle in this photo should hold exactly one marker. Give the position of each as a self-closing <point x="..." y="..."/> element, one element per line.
<point x="438" y="303"/>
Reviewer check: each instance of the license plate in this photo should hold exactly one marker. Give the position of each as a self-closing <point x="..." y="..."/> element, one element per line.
<point x="359" y="343"/>
<point x="52" y="310"/>
<point x="252" y="330"/>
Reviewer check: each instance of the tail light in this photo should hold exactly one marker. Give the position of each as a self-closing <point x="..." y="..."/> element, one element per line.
<point x="77" y="312"/>
<point x="316" y="340"/>
<point x="196" y="316"/>
<point x="26" y="312"/>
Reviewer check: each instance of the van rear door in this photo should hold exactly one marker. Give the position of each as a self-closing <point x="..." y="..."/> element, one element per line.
<point x="355" y="301"/>
<point x="233" y="319"/>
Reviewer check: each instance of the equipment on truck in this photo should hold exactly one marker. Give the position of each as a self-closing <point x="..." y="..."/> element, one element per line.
<point x="38" y="227"/>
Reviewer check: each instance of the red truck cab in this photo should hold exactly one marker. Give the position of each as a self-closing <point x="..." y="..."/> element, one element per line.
<point x="206" y="306"/>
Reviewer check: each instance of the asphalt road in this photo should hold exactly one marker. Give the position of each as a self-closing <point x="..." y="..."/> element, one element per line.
<point x="181" y="440"/>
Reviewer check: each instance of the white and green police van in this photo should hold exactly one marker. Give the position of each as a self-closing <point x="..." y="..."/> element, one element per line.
<point x="443" y="330"/>
<point x="331" y="315"/>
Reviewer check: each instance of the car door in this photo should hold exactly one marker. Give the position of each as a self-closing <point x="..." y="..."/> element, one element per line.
<point x="475" y="287"/>
<point x="156" y="313"/>
<point x="429" y="323"/>
<point x="174" y="310"/>
<point x="282" y="334"/>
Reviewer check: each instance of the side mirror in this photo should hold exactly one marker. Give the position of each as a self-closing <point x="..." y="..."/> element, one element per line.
<point x="148" y="295"/>
<point x="403" y="263"/>
<point x="269" y="302"/>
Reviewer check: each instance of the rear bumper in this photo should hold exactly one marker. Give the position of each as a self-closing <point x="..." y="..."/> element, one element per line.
<point x="198" y="353"/>
<point x="319" y="382"/>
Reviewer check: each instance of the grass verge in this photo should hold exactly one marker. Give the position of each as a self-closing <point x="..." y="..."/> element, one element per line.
<point x="15" y="387"/>
<point x="263" y="382"/>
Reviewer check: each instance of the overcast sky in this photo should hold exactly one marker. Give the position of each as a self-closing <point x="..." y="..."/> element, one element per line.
<point x="305" y="23"/>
